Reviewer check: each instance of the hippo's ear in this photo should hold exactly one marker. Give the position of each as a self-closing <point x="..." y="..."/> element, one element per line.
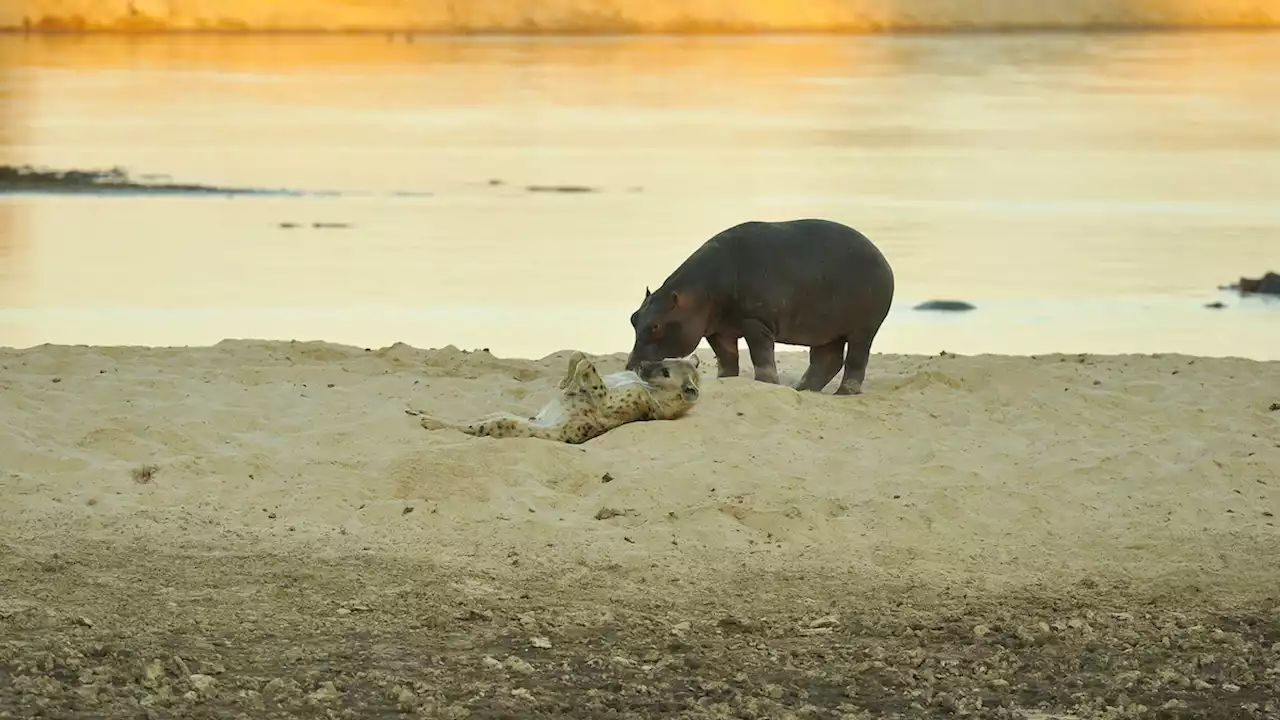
<point x="646" y="292"/>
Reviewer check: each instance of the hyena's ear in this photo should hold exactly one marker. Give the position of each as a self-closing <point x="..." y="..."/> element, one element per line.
<point x="694" y="359"/>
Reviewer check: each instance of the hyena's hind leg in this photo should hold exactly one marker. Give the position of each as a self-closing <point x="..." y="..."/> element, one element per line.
<point x="507" y="425"/>
<point x="501" y="425"/>
<point x="496" y="425"/>
<point x="429" y="422"/>
<point x="577" y="357"/>
<point x="471" y="428"/>
<point x="586" y="379"/>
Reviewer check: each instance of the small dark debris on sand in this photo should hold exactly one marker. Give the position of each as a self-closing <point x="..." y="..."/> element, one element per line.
<point x="1268" y="284"/>
<point x="1216" y="305"/>
<point x="144" y="474"/>
<point x="561" y="188"/>
<point x="946" y="305"/>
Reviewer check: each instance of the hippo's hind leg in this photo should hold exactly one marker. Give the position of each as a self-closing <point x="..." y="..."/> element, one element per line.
<point x="824" y="364"/>
<point x="855" y="365"/>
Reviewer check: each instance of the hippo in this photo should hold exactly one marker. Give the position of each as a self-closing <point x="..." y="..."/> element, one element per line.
<point x="809" y="282"/>
<point x="1268" y="284"/>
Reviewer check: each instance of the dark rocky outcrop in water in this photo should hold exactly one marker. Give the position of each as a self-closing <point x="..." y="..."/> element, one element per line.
<point x="561" y="188"/>
<point x="946" y="306"/>
<point x="1268" y="284"/>
<point x="27" y="179"/>
<point x="316" y="225"/>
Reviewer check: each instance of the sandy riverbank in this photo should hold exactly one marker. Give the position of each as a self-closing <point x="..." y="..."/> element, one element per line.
<point x="258" y="493"/>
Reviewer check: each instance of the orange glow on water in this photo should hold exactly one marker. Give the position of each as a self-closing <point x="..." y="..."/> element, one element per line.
<point x="628" y="16"/>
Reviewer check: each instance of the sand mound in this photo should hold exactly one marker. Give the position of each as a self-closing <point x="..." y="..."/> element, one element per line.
<point x="948" y="470"/>
<point x="258" y="529"/>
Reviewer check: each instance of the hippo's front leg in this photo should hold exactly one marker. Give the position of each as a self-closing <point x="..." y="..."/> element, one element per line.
<point x="760" y="344"/>
<point x="726" y="350"/>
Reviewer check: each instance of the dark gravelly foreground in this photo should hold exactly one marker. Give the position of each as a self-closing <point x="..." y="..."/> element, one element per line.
<point x="133" y="635"/>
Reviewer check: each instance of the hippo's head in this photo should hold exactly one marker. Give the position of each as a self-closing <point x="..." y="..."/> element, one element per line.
<point x="673" y="374"/>
<point x="667" y="325"/>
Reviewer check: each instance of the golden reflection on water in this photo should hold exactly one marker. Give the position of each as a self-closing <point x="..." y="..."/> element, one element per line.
<point x="1053" y="169"/>
<point x="630" y="16"/>
<point x="12" y="100"/>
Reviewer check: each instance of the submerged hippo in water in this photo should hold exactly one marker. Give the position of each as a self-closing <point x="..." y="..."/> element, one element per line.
<point x="1268" y="284"/>
<point x="799" y="282"/>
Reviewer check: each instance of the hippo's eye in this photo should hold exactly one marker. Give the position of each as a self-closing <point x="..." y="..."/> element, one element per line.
<point x="655" y="329"/>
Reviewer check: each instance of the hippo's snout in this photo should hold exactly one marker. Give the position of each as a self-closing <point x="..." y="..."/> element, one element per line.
<point x="635" y="358"/>
<point x="640" y="354"/>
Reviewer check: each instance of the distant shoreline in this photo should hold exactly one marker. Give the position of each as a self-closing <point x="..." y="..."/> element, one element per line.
<point x="605" y="32"/>
<point x="632" y="17"/>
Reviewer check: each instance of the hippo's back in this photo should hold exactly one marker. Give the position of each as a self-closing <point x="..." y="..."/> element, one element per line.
<point x="799" y="250"/>
<point x="809" y="280"/>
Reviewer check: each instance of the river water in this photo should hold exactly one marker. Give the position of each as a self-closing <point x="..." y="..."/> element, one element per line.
<point x="1087" y="192"/>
